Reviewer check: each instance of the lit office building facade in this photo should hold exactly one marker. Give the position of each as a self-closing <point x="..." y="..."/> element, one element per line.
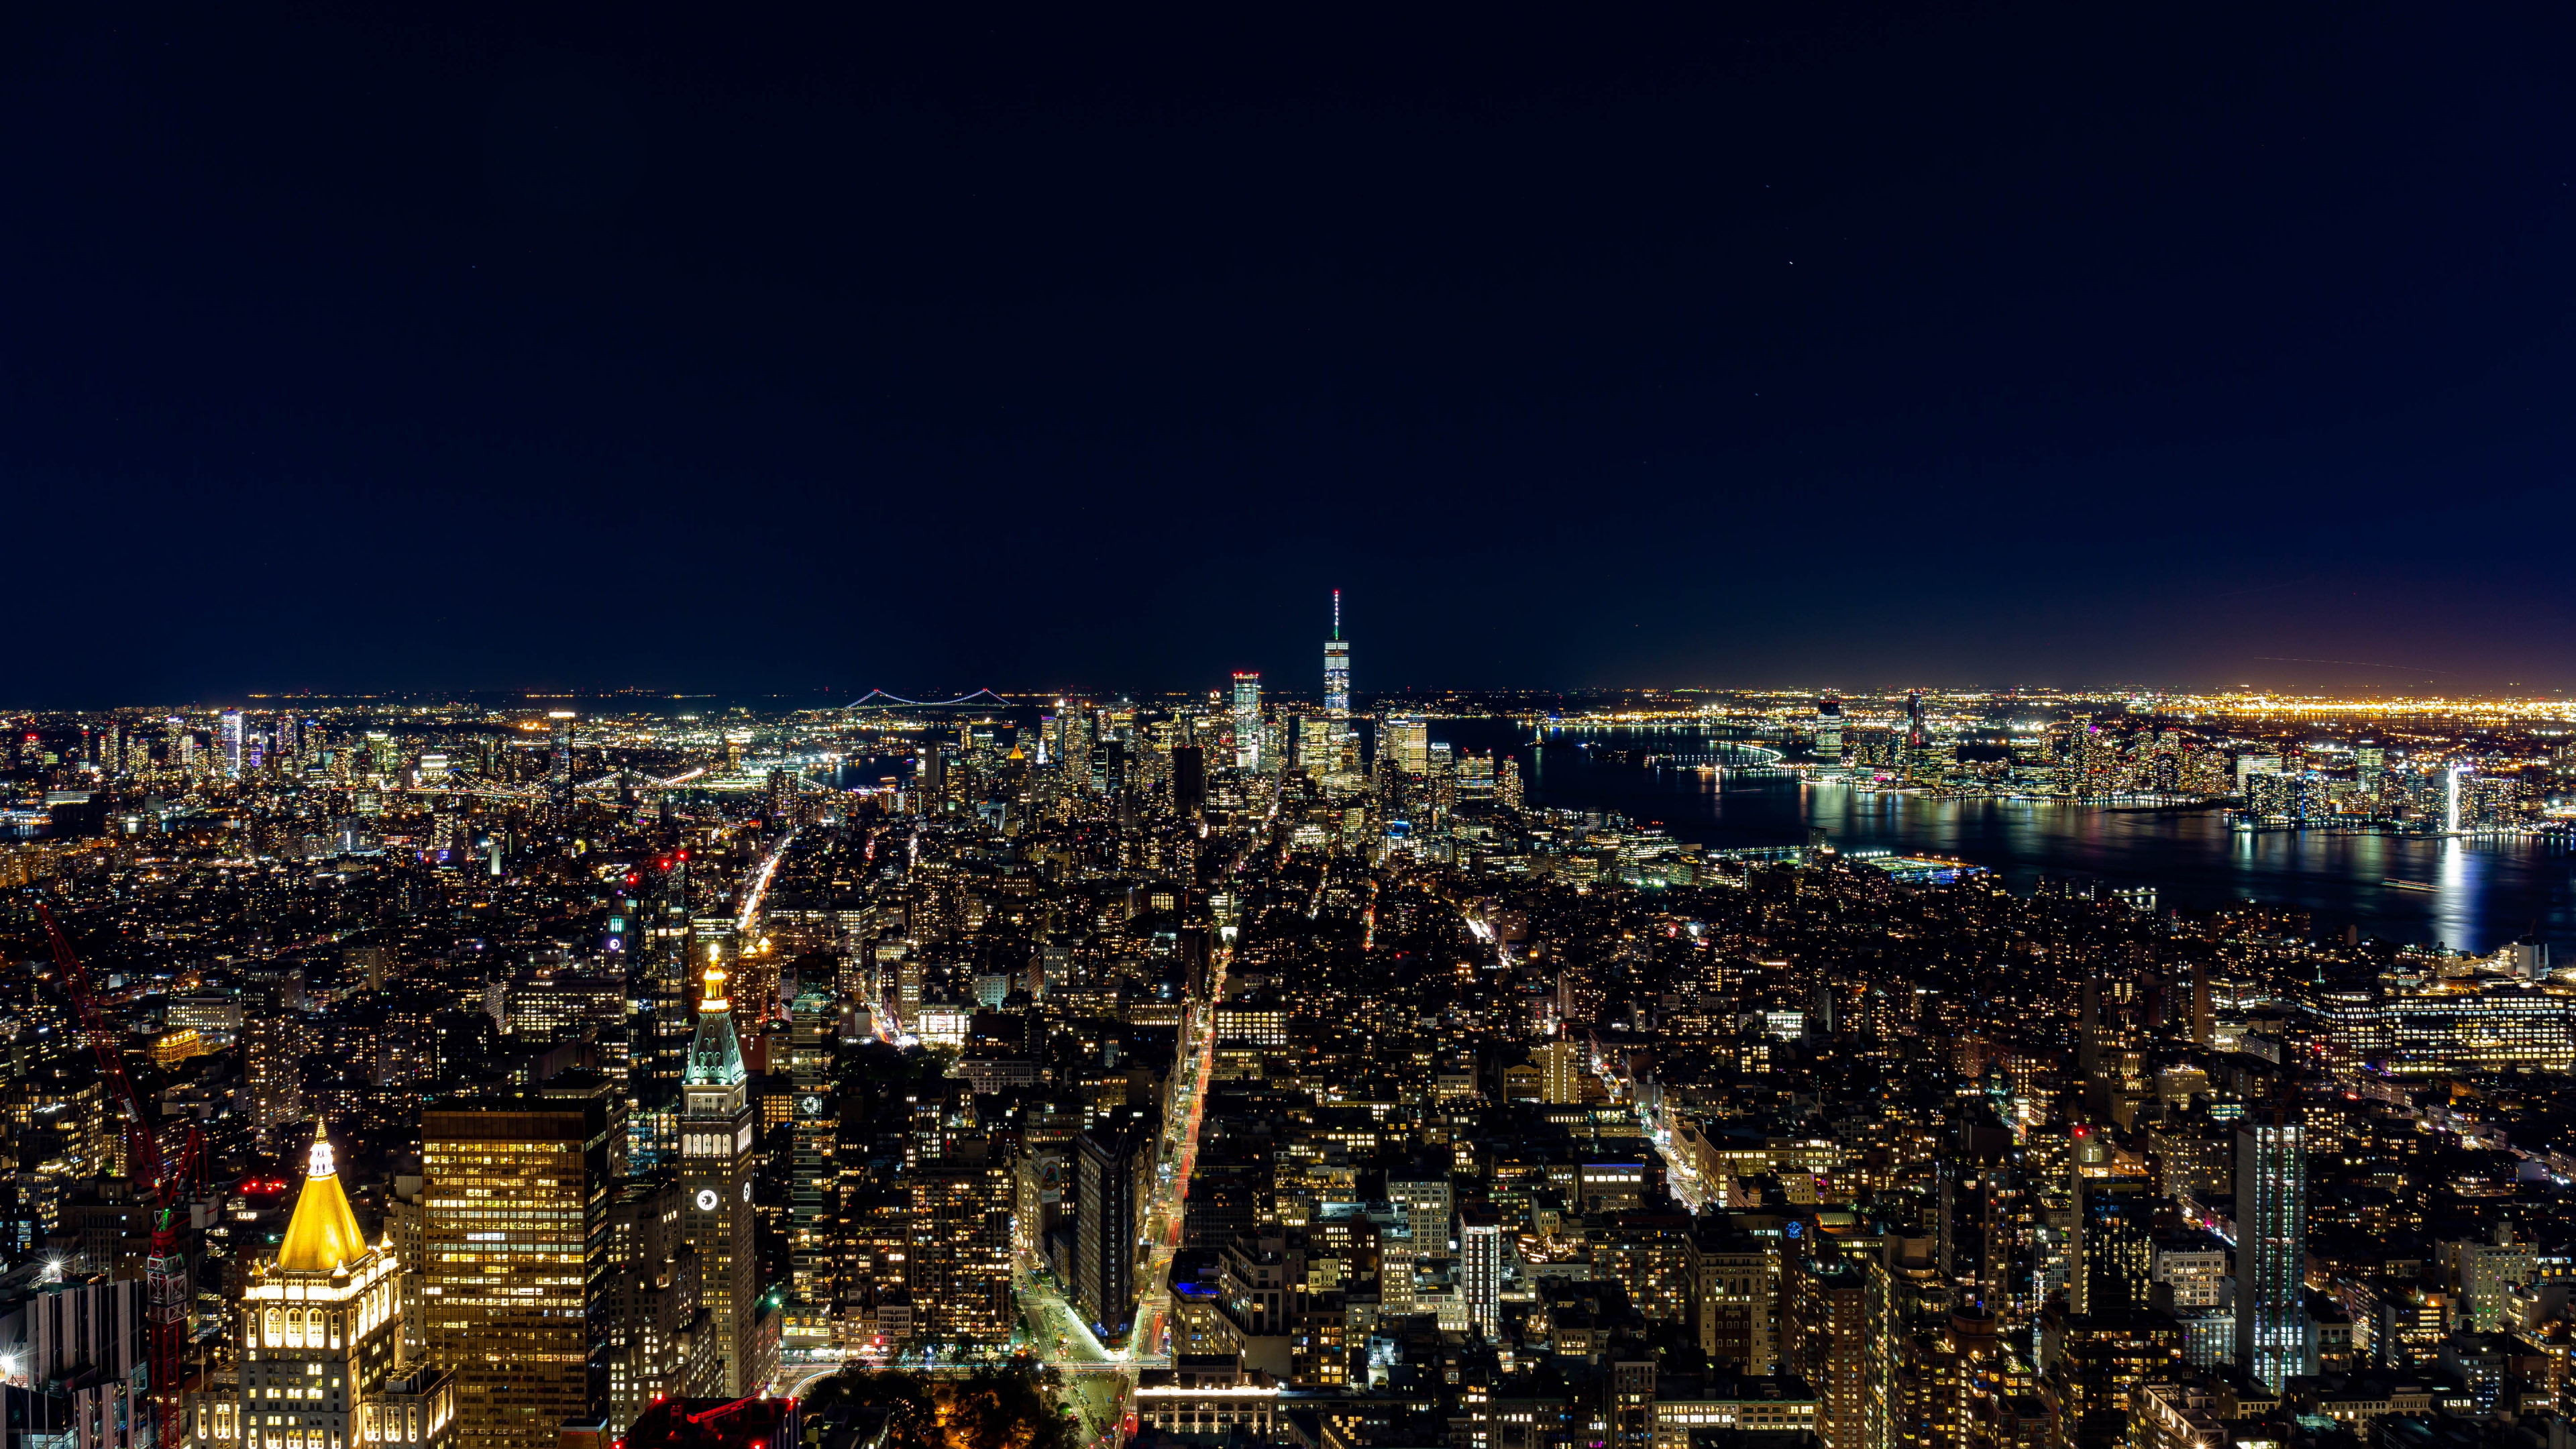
<point x="513" y="1248"/>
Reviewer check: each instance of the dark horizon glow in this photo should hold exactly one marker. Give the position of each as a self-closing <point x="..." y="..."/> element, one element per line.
<point x="585" y="348"/>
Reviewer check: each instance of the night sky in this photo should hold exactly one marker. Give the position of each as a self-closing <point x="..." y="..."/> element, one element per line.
<point x="929" y="347"/>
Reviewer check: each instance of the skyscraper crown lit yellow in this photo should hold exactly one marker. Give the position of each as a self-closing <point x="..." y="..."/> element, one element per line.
<point x="712" y="996"/>
<point x="323" y="1235"/>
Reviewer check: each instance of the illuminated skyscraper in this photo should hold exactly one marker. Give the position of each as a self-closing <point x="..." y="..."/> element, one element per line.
<point x="2111" y="1027"/>
<point x="273" y="1046"/>
<point x="625" y="921"/>
<point x="1825" y="1338"/>
<point x="2113" y="1243"/>
<point x="1247" y="720"/>
<point x="651" y="1329"/>
<point x="1109" y="767"/>
<point x="812" y="1041"/>
<point x="1406" y="744"/>
<point x="930" y="775"/>
<point x="1561" y="1069"/>
<point x="1921" y="764"/>
<point x="958" y="1264"/>
<point x="2272" y="1245"/>
<point x="662" y="1024"/>
<point x="1483" y="1255"/>
<point x="559" y="779"/>
<point x="1337" y="666"/>
<point x="1829" y="732"/>
<point x="232" y="744"/>
<point x="1075" y="730"/>
<point x="513" y="1243"/>
<point x="1319" y="741"/>
<point x="715" y="1183"/>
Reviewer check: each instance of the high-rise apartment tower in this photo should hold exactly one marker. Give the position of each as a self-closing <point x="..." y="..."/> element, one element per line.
<point x="2272" y="1245"/>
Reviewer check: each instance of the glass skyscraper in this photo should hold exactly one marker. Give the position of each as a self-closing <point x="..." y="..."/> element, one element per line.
<point x="1247" y="721"/>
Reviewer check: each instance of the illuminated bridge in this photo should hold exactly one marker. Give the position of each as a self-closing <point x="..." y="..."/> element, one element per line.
<point x="980" y="699"/>
<point x="1731" y="761"/>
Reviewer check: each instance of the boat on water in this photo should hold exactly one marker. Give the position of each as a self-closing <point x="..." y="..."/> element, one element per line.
<point x="2409" y="885"/>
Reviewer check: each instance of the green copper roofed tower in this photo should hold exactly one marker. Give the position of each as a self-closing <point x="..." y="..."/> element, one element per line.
<point x="715" y="1182"/>
<point x="715" y="1054"/>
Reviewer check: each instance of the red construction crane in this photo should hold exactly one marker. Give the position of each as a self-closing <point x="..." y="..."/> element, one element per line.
<point x="160" y="1185"/>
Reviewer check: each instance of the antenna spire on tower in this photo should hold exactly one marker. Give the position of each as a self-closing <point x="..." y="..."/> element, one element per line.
<point x="1337" y="613"/>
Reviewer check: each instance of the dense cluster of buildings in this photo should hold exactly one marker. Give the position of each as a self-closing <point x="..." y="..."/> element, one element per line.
<point x="1276" y="1072"/>
<point x="2444" y="769"/>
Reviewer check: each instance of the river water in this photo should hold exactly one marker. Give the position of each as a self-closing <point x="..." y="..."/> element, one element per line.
<point x="2486" y="892"/>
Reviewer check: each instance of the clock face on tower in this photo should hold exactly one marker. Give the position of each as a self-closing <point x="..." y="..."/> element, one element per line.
<point x="706" y="1199"/>
<point x="746" y="1192"/>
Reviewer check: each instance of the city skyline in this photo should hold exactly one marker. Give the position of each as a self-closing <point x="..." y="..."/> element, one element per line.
<point x="1906" y="1070"/>
<point x="1506" y="699"/>
<point x="1670" y="727"/>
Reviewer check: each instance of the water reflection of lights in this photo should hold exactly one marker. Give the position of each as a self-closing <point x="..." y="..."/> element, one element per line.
<point x="2455" y="879"/>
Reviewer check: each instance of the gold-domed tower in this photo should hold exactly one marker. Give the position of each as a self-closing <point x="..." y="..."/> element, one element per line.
<point x="319" y="1339"/>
